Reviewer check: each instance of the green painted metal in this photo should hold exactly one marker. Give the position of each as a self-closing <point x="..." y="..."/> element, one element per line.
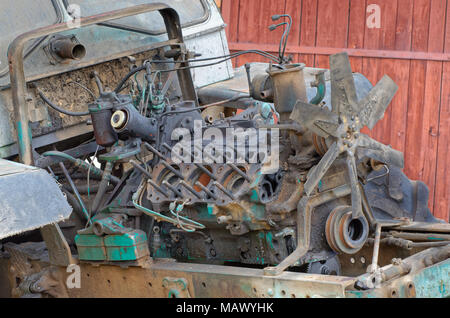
<point x="117" y="243"/>
<point x="430" y="282"/>
<point x="130" y="246"/>
<point x="434" y="281"/>
<point x="321" y="89"/>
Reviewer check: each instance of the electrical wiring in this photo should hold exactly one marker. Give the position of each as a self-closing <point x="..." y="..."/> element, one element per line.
<point x="137" y="202"/>
<point x="59" y="109"/>
<point x="223" y="58"/>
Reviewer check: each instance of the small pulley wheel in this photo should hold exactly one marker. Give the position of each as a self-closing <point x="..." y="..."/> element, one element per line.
<point x="344" y="234"/>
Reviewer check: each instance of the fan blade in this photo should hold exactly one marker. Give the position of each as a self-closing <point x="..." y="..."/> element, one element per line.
<point x="319" y="120"/>
<point x="356" y="194"/>
<point x="373" y="106"/>
<point x="320" y="170"/>
<point x="367" y="147"/>
<point x="343" y="91"/>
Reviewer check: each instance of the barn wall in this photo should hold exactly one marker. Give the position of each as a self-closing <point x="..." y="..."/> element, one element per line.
<point x="412" y="47"/>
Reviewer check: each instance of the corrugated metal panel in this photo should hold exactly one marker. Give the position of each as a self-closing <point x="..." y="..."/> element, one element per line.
<point x="412" y="46"/>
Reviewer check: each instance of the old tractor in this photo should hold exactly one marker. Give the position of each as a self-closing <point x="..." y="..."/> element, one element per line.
<point x="138" y="163"/>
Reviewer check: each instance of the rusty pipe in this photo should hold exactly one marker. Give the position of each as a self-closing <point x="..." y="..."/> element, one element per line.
<point x="67" y="49"/>
<point x="16" y="65"/>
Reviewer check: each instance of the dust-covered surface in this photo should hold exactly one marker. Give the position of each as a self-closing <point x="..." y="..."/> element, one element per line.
<point x="29" y="198"/>
<point x="73" y="97"/>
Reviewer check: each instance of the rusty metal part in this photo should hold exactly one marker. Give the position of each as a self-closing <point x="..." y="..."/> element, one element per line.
<point x="373" y="268"/>
<point x="103" y="186"/>
<point x="167" y="278"/>
<point x="164" y="278"/>
<point x="409" y="245"/>
<point x="261" y="86"/>
<point x="17" y="75"/>
<point x="288" y="87"/>
<point x="320" y="145"/>
<point x="433" y="237"/>
<point x="66" y="48"/>
<point x="422" y="227"/>
<point x="409" y="265"/>
<point x="58" y="249"/>
<point x="344" y="234"/>
<point x="304" y="212"/>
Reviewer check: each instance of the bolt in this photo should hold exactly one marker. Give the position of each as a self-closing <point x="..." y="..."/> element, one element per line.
<point x="270" y="292"/>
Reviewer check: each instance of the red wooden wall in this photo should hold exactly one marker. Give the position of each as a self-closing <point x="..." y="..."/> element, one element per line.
<point x="412" y="47"/>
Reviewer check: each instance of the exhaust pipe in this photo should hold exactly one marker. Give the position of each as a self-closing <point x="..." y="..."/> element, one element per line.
<point x="68" y="49"/>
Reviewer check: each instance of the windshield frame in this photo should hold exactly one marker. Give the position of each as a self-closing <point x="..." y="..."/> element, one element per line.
<point x="125" y="27"/>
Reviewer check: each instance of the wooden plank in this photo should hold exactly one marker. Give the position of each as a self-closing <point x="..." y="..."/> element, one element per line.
<point x="381" y="54"/>
<point x="357" y="23"/>
<point x="432" y="101"/>
<point x="332" y="27"/>
<point x="375" y="69"/>
<point x="230" y="15"/>
<point x="308" y="30"/>
<point x="399" y="106"/>
<point x="403" y="38"/>
<point x="294" y="9"/>
<point x="418" y="70"/>
<point x="442" y="189"/>
<point x="254" y="20"/>
<point x="247" y="31"/>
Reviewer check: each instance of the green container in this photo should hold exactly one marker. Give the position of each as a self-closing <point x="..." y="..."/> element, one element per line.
<point x="129" y="246"/>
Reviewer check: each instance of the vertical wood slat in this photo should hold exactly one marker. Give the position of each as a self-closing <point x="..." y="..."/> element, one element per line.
<point x="442" y="192"/>
<point x="432" y="98"/>
<point x="399" y="107"/>
<point x="357" y="22"/>
<point x="308" y="29"/>
<point x="332" y="27"/>
<point x="374" y="69"/>
<point x="417" y="121"/>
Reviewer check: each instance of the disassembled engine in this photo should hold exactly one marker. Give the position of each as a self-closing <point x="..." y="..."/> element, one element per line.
<point x="176" y="184"/>
<point x="272" y="180"/>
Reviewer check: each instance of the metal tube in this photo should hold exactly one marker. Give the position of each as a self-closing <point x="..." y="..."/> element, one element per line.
<point x="434" y="237"/>
<point x="103" y="186"/>
<point x="148" y="175"/>
<point x="196" y="164"/>
<point x="376" y="247"/>
<point x="75" y="191"/>
<point x="171" y="188"/>
<point x="67" y="49"/>
<point x="190" y="189"/>
<point x="222" y="188"/>
<point x="206" y="190"/>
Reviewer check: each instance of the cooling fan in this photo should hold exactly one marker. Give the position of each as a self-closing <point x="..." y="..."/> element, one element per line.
<point x="341" y="126"/>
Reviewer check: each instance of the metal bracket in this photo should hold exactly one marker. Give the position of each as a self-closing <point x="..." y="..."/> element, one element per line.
<point x="57" y="246"/>
<point x="177" y="287"/>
